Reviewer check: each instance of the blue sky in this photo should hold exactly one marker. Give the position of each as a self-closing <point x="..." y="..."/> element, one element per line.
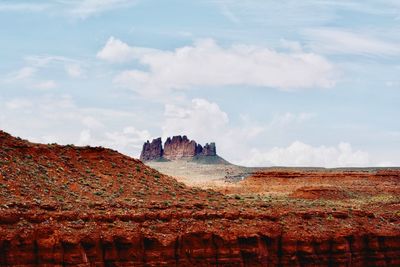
<point x="299" y="83"/>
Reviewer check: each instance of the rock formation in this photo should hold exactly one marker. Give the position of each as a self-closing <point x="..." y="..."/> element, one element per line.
<point x="152" y="151"/>
<point x="175" y="148"/>
<point x="209" y="150"/>
<point x="84" y="206"/>
<point x="179" y="147"/>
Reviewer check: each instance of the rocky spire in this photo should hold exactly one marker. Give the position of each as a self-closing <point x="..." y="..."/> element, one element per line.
<point x="152" y="151"/>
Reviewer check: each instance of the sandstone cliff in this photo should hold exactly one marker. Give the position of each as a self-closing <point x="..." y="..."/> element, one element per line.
<point x="152" y="151"/>
<point x="132" y="248"/>
<point x="177" y="147"/>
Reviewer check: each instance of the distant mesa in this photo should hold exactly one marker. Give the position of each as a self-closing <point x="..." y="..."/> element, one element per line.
<point x="179" y="147"/>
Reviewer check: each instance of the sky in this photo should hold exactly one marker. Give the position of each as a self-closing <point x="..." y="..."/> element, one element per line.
<point x="288" y="83"/>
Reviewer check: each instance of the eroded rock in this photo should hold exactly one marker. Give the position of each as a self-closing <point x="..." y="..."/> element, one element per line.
<point x="152" y="151"/>
<point x="177" y="147"/>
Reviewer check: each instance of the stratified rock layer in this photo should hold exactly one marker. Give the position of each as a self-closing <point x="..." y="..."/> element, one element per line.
<point x="196" y="249"/>
<point x="83" y="206"/>
<point x="177" y="147"/>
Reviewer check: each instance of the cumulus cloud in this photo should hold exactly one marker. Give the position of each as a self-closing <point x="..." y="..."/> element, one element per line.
<point x="204" y="121"/>
<point x="116" y="51"/>
<point x="85" y="138"/>
<point x="128" y="139"/>
<point x="56" y="118"/>
<point x="301" y="154"/>
<point x="125" y="141"/>
<point x="205" y="63"/>
<point x="247" y="143"/>
<point x="199" y="120"/>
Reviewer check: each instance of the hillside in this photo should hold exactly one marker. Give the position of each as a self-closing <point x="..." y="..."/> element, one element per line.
<point x="66" y="174"/>
<point x="84" y="206"/>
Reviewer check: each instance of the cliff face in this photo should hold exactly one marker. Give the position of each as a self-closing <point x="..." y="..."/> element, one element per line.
<point x="209" y="150"/>
<point x="179" y="147"/>
<point x="200" y="249"/>
<point x="175" y="148"/>
<point x="152" y="151"/>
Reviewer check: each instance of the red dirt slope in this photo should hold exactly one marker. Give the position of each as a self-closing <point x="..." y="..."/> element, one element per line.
<point x="73" y="206"/>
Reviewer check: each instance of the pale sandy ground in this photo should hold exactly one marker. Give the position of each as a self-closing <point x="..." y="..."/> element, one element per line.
<point x="226" y="178"/>
<point x="202" y="175"/>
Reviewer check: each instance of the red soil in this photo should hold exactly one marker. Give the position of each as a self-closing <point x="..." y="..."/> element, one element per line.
<point x="315" y="192"/>
<point x="73" y="206"/>
<point x="361" y="182"/>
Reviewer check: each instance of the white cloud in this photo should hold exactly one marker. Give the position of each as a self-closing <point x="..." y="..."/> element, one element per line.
<point x="245" y="143"/>
<point x="116" y="51"/>
<point x="72" y="67"/>
<point x="125" y="141"/>
<point x="18" y="103"/>
<point x="128" y="139"/>
<point x="292" y="45"/>
<point x="91" y="122"/>
<point x="337" y="41"/>
<point x="87" y="8"/>
<point x="305" y="13"/>
<point x="205" y="122"/>
<point x="38" y="70"/>
<point x="55" y="118"/>
<point x="84" y="138"/>
<point x="22" y="74"/>
<point x="300" y="154"/>
<point x="74" y="70"/>
<point x="207" y="64"/>
<point x="39" y="61"/>
<point x="46" y="85"/>
<point x="201" y="120"/>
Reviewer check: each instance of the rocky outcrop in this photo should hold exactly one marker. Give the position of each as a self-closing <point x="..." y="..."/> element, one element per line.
<point x="209" y="150"/>
<point x="152" y="151"/>
<point x="199" y="249"/>
<point x="177" y="147"/>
